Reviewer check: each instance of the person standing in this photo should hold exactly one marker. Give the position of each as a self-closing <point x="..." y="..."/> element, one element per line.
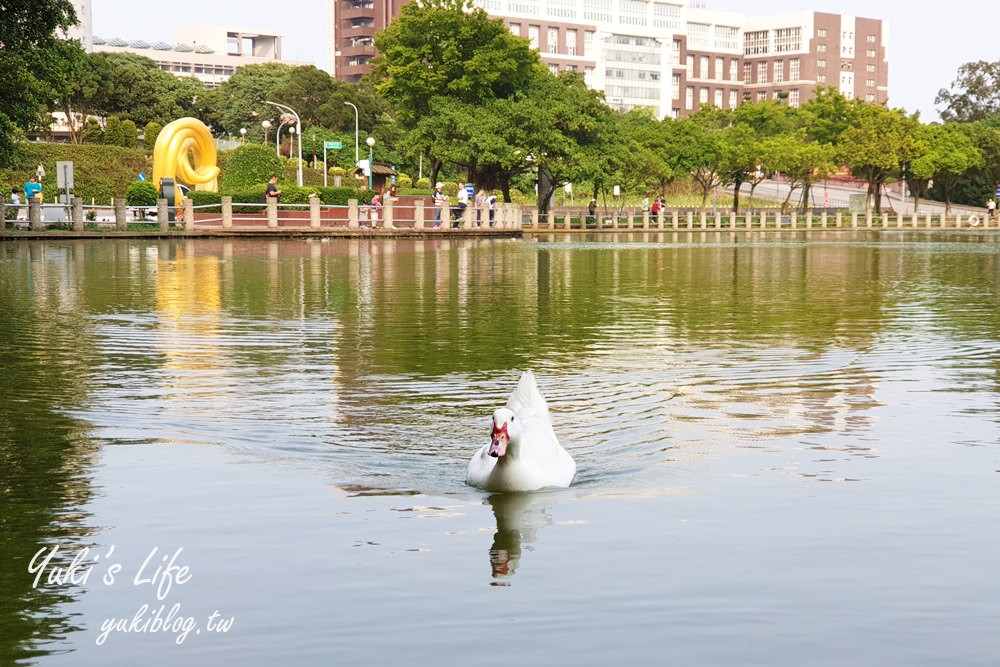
<point x="592" y="211"/>
<point x="376" y="208"/>
<point x="439" y="202"/>
<point x="463" y="202"/>
<point x="491" y="202"/>
<point x="15" y="200"/>
<point x="32" y="189"/>
<point x="991" y="208"/>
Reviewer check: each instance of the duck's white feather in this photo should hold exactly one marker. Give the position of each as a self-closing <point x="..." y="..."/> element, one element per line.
<point x="533" y="459"/>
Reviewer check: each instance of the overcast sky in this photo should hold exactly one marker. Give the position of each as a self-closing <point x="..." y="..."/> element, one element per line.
<point x="927" y="42"/>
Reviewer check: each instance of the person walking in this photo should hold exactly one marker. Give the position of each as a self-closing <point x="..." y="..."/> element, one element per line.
<point x="272" y="191"/>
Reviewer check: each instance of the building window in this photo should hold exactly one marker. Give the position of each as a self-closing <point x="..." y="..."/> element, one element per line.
<point x="794" y="69"/>
<point x="699" y="36"/>
<point x="821" y="48"/>
<point x="690" y="64"/>
<point x="515" y="28"/>
<point x="553" y="40"/>
<point x="727" y="38"/>
<point x="821" y="78"/>
<point x="821" y="32"/>
<point x="747" y="73"/>
<point x="533" y="31"/>
<point x="870" y="83"/>
<point x="779" y="71"/>
<point x="689" y="98"/>
<point x="755" y="43"/>
<point x="675" y="87"/>
<point x="787" y="39"/>
<point x="734" y="65"/>
<point x="762" y="96"/>
<point x="675" y="51"/>
<point x="703" y="72"/>
<point x="793" y="97"/>
<point x="870" y="53"/>
<point x="666" y="15"/>
<point x="869" y="97"/>
<point x="733" y="98"/>
<point x="718" y="97"/>
<point x="703" y="95"/>
<point x="588" y="41"/>
<point x="553" y="68"/>
<point x="870" y="68"/>
<point x="720" y="69"/>
<point x="821" y="63"/>
<point x="762" y="72"/>
<point x="571" y="41"/>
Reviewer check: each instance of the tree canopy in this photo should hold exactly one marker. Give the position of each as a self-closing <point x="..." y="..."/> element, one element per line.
<point x="30" y="57"/>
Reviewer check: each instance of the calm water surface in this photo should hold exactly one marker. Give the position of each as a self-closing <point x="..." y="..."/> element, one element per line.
<point x="254" y="450"/>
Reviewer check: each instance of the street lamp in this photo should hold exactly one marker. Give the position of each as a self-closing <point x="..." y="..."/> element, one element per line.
<point x="291" y="131"/>
<point x="243" y="135"/>
<point x="298" y="131"/>
<point x="266" y="124"/>
<point x="277" y="139"/>
<point x="356" y="155"/>
<point x="371" y="156"/>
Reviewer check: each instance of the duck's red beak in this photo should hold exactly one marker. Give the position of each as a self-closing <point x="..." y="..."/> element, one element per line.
<point x="498" y="440"/>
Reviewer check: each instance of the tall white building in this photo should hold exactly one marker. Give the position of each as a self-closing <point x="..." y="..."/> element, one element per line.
<point x="84" y="30"/>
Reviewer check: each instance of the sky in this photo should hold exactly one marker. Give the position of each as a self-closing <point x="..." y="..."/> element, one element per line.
<point x="927" y="44"/>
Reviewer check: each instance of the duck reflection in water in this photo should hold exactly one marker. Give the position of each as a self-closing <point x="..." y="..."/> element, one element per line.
<point x="519" y="517"/>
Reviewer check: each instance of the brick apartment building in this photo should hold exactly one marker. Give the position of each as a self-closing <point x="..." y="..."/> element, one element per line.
<point x="672" y="57"/>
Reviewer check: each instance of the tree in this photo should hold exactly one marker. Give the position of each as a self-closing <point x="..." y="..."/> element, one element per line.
<point x="875" y="145"/>
<point x="114" y="133"/>
<point x="238" y="102"/>
<point x="801" y="161"/>
<point x="149" y="134"/>
<point x="444" y="48"/>
<point x="130" y="134"/>
<point x="975" y="94"/>
<point x="950" y="153"/>
<point x="30" y="63"/>
<point x="699" y="148"/>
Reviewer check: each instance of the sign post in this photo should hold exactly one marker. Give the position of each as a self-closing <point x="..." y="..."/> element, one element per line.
<point x="332" y="145"/>
<point x="64" y="177"/>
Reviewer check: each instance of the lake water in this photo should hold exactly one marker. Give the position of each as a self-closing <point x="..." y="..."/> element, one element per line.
<point x="788" y="451"/>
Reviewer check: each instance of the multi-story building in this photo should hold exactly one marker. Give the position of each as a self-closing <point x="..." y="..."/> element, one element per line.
<point x="666" y="55"/>
<point x="208" y="53"/>
<point x="352" y="25"/>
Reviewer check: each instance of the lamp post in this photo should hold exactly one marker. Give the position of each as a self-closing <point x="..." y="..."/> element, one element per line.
<point x="277" y="139"/>
<point x="371" y="156"/>
<point x="298" y="132"/>
<point x="265" y="124"/>
<point x="356" y="155"/>
<point x="291" y="131"/>
<point x="243" y="135"/>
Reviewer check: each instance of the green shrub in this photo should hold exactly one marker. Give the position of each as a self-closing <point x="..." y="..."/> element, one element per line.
<point x="250" y="165"/>
<point x="141" y="193"/>
<point x="114" y="132"/>
<point x="130" y="134"/>
<point x="424" y="183"/>
<point x="149" y="135"/>
<point x="100" y="173"/>
<point x="93" y="133"/>
<point x="450" y="188"/>
<point x="404" y="181"/>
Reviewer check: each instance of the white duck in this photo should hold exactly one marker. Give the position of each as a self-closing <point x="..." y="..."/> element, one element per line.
<point x="523" y="453"/>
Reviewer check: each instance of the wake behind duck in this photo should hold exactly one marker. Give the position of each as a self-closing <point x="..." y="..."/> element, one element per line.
<point x="523" y="453"/>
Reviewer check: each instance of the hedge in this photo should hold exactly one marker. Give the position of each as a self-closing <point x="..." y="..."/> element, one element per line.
<point x="290" y="194"/>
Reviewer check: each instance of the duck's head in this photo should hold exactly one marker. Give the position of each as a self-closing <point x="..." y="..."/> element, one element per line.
<point x="504" y="430"/>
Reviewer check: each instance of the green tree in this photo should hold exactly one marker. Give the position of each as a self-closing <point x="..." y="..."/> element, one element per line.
<point x="803" y="162"/>
<point x="130" y="134"/>
<point x="134" y="88"/>
<point x="114" y="132"/>
<point x="875" y="145"/>
<point x="445" y="48"/>
<point x="950" y="153"/>
<point x="141" y="193"/>
<point x="149" y="134"/>
<point x="974" y="95"/>
<point x="31" y="61"/>
<point x="238" y="102"/>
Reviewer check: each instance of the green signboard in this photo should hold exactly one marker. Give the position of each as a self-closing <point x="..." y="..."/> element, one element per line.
<point x="333" y="145"/>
